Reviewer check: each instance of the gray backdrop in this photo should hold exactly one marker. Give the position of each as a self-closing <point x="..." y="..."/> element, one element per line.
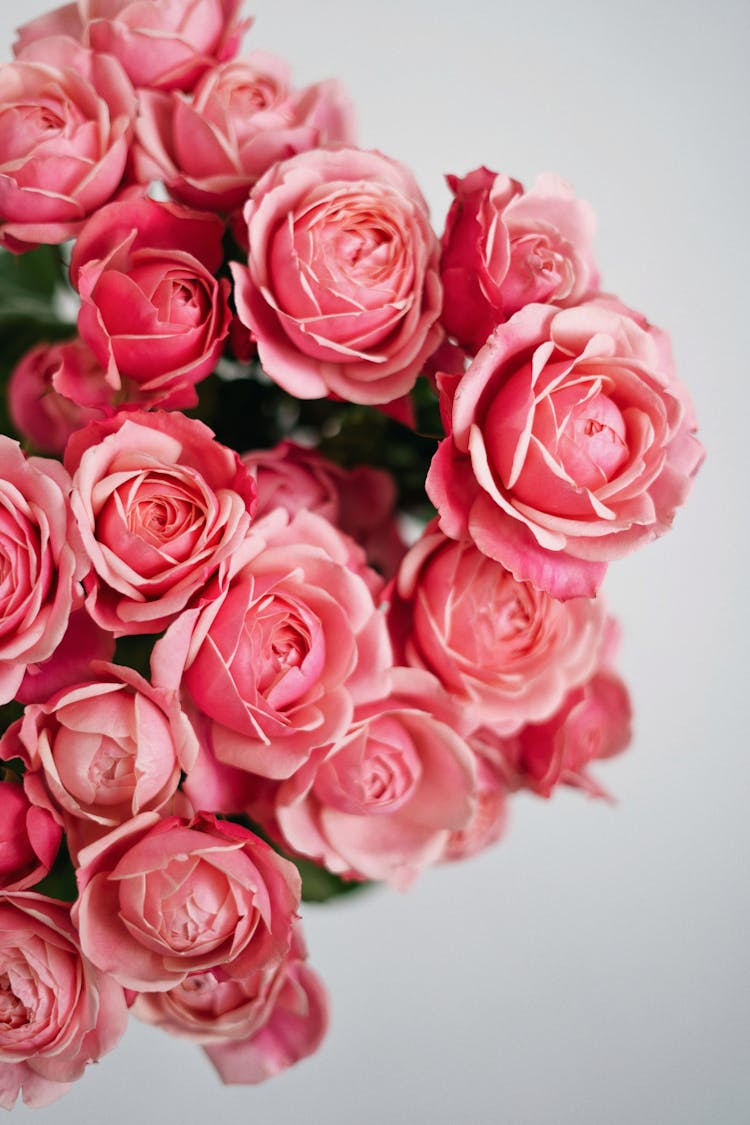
<point x="593" y="967"/>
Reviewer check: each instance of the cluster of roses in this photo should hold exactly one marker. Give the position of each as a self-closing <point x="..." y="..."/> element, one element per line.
<point x="365" y="706"/>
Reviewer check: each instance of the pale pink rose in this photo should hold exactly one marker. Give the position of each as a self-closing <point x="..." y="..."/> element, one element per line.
<point x="100" y="752"/>
<point x="159" y="503"/>
<point x="286" y="642"/>
<point x="294" y="1030"/>
<point x="40" y="412"/>
<point x="83" y="642"/>
<point x="571" y="443"/>
<point x="252" y="1027"/>
<point x="42" y="560"/>
<point x="29" y="838"/>
<point x="152" y="311"/>
<point x="341" y="289"/>
<point x="66" y="122"/>
<point x="163" y="898"/>
<point x="243" y="116"/>
<point x="60" y="21"/>
<point x="504" y="248"/>
<point x="383" y="802"/>
<point x="506" y="651"/>
<point x="57" y="1012"/>
<point x="360" y="501"/>
<point x="166" y="45"/>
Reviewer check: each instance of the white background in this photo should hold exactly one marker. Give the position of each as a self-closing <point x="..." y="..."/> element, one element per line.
<point x="592" y="969"/>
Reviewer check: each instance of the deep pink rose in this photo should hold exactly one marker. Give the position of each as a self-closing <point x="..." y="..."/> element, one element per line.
<point x="42" y="560"/>
<point x="29" y="838"/>
<point x="152" y="311"/>
<point x="44" y="414"/>
<point x="382" y="803"/>
<point x="571" y="443"/>
<point x="504" y="248"/>
<point x="166" y="45"/>
<point x="163" y="898"/>
<point x="160" y="503"/>
<point x="66" y="122"/>
<point x="57" y="1013"/>
<point x="360" y="501"/>
<point x="243" y="117"/>
<point x="287" y="641"/>
<point x="341" y="289"/>
<point x="101" y="751"/>
<point x="507" y="651"/>
<point x="252" y="1027"/>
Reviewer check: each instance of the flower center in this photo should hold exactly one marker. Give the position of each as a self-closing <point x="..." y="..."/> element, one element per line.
<point x="13" y="1011"/>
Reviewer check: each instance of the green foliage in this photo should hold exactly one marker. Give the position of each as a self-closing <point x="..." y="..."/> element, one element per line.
<point x="28" y="315"/>
<point x="61" y="881"/>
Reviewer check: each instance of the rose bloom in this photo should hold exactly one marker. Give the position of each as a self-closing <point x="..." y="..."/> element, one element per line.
<point x="160" y="503"/>
<point x="66" y="122"/>
<point x="360" y="501"/>
<point x="42" y="560"/>
<point x="57" y="1013"/>
<point x="252" y="1027"/>
<point x="82" y="643"/>
<point x="382" y="802"/>
<point x="243" y="117"/>
<point x="29" y="838"/>
<point x="488" y="821"/>
<point x="43" y="414"/>
<point x="167" y="45"/>
<point x="295" y="1029"/>
<point x="152" y="311"/>
<point x="341" y="289"/>
<point x="507" y="651"/>
<point x="286" y="642"/>
<point x="163" y="898"/>
<point x="100" y="752"/>
<point x="570" y="444"/>
<point x="504" y="248"/>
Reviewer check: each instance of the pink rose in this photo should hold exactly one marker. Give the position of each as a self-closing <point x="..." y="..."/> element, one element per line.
<point x="243" y="117"/>
<point x="294" y="1030"/>
<point x="571" y="443"/>
<point x="152" y="311"/>
<point x="66" y="122"/>
<point x="167" y="45"/>
<point x="29" y="838"/>
<point x="504" y="248"/>
<point x="382" y="802"/>
<point x="42" y="561"/>
<point x="101" y="751"/>
<point x="57" y="1012"/>
<point x="286" y="642"/>
<point x="360" y="501"/>
<point x="488" y="820"/>
<point x="341" y="289"/>
<point x="160" y="899"/>
<point x="40" y="411"/>
<point x="252" y="1027"/>
<point x="507" y="651"/>
<point x="159" y="504"/>
<point x="82" y="642"/>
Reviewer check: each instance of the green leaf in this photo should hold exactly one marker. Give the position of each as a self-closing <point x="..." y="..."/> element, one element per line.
<point x="319" y="885"/>
<point x="60" y="883"/>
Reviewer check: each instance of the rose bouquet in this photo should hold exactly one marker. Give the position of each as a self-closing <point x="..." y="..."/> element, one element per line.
<point x="304" y="513"/>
